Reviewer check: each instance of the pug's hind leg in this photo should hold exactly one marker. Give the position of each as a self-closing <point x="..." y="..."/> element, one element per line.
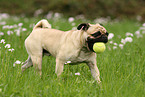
<point x="59" y="67"/>
<point x="27" y="64"/>
<point x="37" y="63"/>
<point x="94" y="71"/>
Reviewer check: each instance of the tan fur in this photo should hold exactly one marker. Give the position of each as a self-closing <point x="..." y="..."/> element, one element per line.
<point x="64" y="46"/>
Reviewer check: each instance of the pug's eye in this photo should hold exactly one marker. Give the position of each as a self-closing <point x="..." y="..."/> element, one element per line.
<point x="107" y="33"/>
<point x="96" y="34"/>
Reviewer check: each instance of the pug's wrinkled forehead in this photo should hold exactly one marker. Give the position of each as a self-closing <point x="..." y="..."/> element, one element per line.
<point x="95" y="28"/>
<point x="91" y="28"/>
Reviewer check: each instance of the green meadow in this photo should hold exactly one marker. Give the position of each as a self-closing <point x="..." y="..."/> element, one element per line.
<point x="122" y="70"/>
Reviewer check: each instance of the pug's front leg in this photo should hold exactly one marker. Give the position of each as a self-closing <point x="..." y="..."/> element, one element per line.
<point x="94" y="71"/>
<point x="59" y="67"/>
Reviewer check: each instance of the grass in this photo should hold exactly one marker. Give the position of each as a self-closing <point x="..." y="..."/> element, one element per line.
<point x="122" y="70"/>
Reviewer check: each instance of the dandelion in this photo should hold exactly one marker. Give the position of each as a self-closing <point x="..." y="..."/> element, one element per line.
<point x="3" y="41"/>
<point x="77" y="73"/>
<point x="71" y="19"/>
<point x="111" y="35"/>
<point x="7" y="46"/>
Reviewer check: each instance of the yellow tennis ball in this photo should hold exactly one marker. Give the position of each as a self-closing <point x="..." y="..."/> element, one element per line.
<point x="99" y="47"/>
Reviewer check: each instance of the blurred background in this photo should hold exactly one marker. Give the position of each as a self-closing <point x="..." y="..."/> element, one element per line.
<point x="90" y="9"/>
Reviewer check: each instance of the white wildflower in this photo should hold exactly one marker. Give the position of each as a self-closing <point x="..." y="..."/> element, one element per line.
<point x="137" y="32"/>
<point x="17" y="32"/>
<point x="38" y="12"/>
<point x="3" y="41"/>
<point x="142" y="28"/>
<point x="11" y="50"/>
<point x="68" y="62"/>
<point x="109" y="48"/>
<point x="71" y="19"/>
<point x="10" y="27"/>
<point x="7" y="46"/>
<point x="138" y="35"/>
<point x="17" y="62"/>
<point x="129" y="34"/>
<point x="143" y="32"/>
<point x="111" y="42"/>
<point x="139" y="18"/>
<point x="20" y="24"/>
<point x="143" y="24"/>
<point x="1" y="33"/>
<point x="49" y="15"/>
<point x="14" y="65"/>
<point x="123" y="41"/>
<point x="128" y="39"/>
<point x="57" y="15"/>
<point x="73" y="24"/>
<point x="5" y="26"/>
<point x="24" y="29"/>
<point x="0" y="89"/>
<point x="114" y="47"/>
<point x="121" y="46"/>
<point x="115" y="44"/>
<point x="74" y="28"/>
<point x="111" y="35"/>
<point x="2" y="23"/>
<point x="10" y="32"/>
<point x="77" y="73"/>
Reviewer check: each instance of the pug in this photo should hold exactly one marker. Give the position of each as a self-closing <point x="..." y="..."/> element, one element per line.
<point x="75" y="46"/>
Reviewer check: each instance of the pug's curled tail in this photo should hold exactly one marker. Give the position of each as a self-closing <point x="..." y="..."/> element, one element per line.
<point x="42" y="24"/>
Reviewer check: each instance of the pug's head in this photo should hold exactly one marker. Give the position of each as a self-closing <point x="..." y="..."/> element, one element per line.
<point x="96" y="33"/>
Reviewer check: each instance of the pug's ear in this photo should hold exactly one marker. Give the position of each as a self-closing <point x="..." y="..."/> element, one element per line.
<point x="83" y="26"/>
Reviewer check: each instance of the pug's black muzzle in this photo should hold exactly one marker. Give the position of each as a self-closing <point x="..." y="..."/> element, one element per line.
<point x="90" y="41"/>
